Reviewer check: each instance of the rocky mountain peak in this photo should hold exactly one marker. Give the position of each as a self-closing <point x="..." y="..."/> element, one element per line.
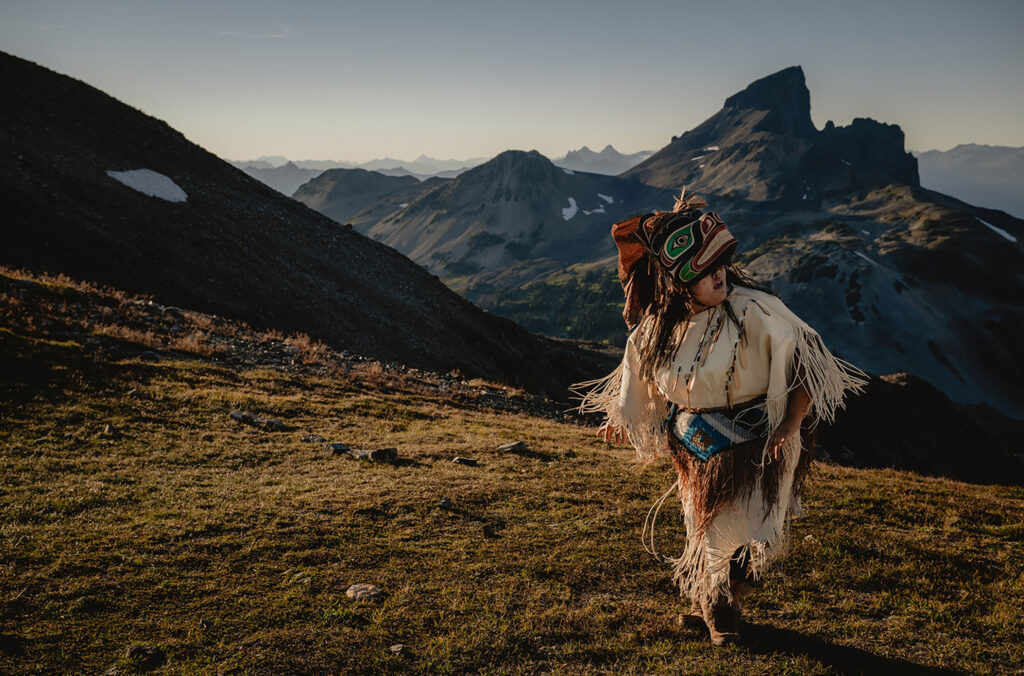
<point x="527" y="165"/>
<point x="868" y="143"/>
<point x="786" y="96"/>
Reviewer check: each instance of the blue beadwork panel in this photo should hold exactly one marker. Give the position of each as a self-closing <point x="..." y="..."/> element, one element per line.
<point x="705" y="435"/>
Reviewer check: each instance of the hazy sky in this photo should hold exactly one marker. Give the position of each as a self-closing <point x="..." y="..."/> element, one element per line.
<point x="359" y="80"/>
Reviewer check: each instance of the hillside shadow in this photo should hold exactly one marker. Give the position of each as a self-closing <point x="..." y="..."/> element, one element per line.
<point x="767" y="640"/>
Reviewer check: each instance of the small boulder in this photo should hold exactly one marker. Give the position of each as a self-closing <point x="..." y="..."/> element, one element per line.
<point x="313" y="439"/>
<point x="459" y="460"/>
<point x="445" y="503"/>
<point x="387" y="456"/>
<point x="364" y="592"/>
<point x="514" y="447"/>
<point x="337" y="449"/>
<point x="397" y="649"/>
<point x="268" y="424"/>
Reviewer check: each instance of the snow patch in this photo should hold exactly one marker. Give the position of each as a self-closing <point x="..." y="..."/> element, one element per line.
<point x="865" y="258"/>
<point x="865" y="232"/>
<point x="569" y="171"/>
<point x="846" y="163"/>
<point x="699" y="157"/>
<point x="804" y="197"/>
<point x="711" y="148"/>
<point x="606" y="198"/>
<point x="598" y="210"/>
<point x="998" y="231"/>
<point x="151" y="183"/>
<point x="403" y="205"/>
<point x="571" y="210"/>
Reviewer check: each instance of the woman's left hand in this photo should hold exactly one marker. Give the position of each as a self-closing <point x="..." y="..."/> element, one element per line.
<point x="783" y="433"/>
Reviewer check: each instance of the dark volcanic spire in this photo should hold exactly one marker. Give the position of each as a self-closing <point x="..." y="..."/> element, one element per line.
<point x="786" y="96"/>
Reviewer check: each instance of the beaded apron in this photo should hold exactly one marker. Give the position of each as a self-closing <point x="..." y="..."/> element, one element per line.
<point x="705" y="433"/>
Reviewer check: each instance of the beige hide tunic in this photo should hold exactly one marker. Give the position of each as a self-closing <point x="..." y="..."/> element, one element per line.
<point x="721" y="364"/>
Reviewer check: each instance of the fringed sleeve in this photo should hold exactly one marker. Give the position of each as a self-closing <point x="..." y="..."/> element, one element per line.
<point x="628" y="402"/>
<point x="800" y="358"/>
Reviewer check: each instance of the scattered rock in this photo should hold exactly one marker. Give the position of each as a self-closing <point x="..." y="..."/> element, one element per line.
<point x="459" y="460"/>
<point x="149" y="355"/>
<point x="397" y="649"/>
<point x="204" y="624"/>
<point x="110" y="432"/>
<point x="268" y="424"/>
<point x="208" y="437"/>
<point x="364" y="592"/>
<point x="132" y="393"/>
<point x="381" y="455"/>
<point x="445" y="503"/>
<point x="337" y="449"/>
<point x="145" y="657"/>
<point x="489" y="531"/>
<point x="810" y="539"/>
<point x="313" y="439"/>
<point x="514" y="447"/>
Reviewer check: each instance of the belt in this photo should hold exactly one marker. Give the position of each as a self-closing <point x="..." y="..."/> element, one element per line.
<point x="706" y="432"/>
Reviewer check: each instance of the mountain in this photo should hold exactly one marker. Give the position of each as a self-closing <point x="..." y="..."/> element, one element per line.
<point x="609" y="161"/>
<point x="324" y="165"/>
<point x="517" y="207"/>
<point x="285" y="179"/>
<point x="98" y="191"/>
<point x="896" y="277"/>
<point x="286" y="176"/>
<point x="762" y="146"/>
<point x="423" y="165"/>
<point x="980" y="174"/>
<point x="360" y="197"/>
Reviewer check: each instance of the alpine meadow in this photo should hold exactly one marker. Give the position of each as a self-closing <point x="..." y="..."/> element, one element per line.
<point x="322" y="416"/>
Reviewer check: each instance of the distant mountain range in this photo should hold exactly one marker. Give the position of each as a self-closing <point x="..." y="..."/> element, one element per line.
<point x="100" y="192"/>
<point x="609" y="161"/>
<point x="286" y="176"/>
<point x="285" y="179"/>
<point x="979" y="174"/>
<point x="896" y="277"/>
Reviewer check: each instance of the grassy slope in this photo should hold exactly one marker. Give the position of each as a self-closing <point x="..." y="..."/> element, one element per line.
<point x="188" y="517"/>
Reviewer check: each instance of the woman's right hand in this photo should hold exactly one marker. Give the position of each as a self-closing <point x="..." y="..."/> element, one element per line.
<point x="612" y="434"/>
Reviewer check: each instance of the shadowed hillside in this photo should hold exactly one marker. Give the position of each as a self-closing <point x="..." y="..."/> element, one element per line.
<point x="234" y="247"/>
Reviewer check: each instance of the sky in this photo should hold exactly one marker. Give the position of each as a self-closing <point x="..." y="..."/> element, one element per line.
<point x="355" y="81"/>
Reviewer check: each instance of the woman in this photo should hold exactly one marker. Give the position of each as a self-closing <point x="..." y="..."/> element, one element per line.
<point x="718" y="374"/>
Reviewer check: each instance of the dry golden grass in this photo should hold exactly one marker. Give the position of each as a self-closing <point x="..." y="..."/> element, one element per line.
<point x="230" y="548"/>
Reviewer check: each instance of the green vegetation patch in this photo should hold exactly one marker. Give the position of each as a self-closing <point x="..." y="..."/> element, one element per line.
<point x="580" y="305"/>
